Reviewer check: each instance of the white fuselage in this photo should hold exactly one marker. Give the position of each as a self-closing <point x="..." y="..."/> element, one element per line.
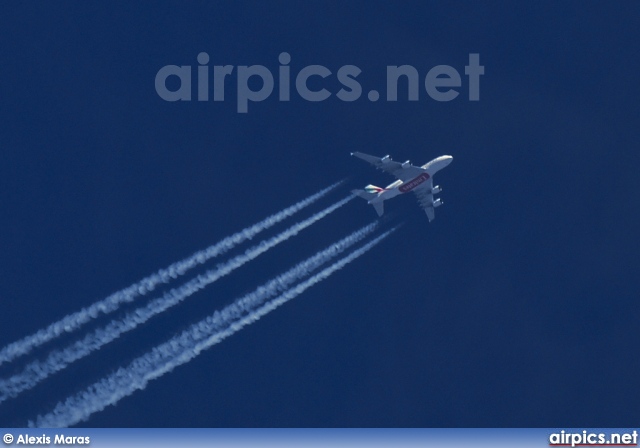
<point x="399" y="187"/>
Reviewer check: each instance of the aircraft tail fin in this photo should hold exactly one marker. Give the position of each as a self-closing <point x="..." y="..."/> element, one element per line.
<point x="365" y="194"/>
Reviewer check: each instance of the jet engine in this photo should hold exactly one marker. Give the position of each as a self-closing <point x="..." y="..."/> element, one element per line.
<point x="385" y="159"/>
<point x="436" y="189"/>
<point x="437" y="203"/>
<point x="406" y="164"/>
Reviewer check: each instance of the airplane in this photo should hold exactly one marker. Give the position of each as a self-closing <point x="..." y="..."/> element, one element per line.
<point x="418" y="179"/>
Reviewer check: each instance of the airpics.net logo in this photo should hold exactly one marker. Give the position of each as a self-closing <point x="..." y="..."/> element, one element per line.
<point x="589" y="438"/>
<point x="255" y="83"/>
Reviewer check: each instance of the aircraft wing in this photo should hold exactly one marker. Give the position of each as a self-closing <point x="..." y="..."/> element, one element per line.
<point x="403" y="171"/>
<point x="425" y="198"/>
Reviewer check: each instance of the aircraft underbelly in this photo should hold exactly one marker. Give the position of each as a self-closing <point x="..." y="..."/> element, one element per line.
<point x="413" y="183"/>
<point x="390" y="194"/>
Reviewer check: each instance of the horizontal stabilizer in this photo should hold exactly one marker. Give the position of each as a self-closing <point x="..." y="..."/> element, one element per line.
<point x="365" y="194"/>
<point x="369" y="197"/>
<point x="379" y="206"/>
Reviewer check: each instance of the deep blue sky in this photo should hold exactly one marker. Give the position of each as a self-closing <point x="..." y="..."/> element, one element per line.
<point x="518" y="306"/>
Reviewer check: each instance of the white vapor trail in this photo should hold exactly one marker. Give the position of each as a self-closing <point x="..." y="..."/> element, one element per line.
<point x="75" y="320"/>
<point x="202" y="335"/>
<point x="57" y="360"/>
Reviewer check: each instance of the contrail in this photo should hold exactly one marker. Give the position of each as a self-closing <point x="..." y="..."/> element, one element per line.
<point x="57" y="360"/>
<point x="184" y="347"/>
<point x="75" y="320"/>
